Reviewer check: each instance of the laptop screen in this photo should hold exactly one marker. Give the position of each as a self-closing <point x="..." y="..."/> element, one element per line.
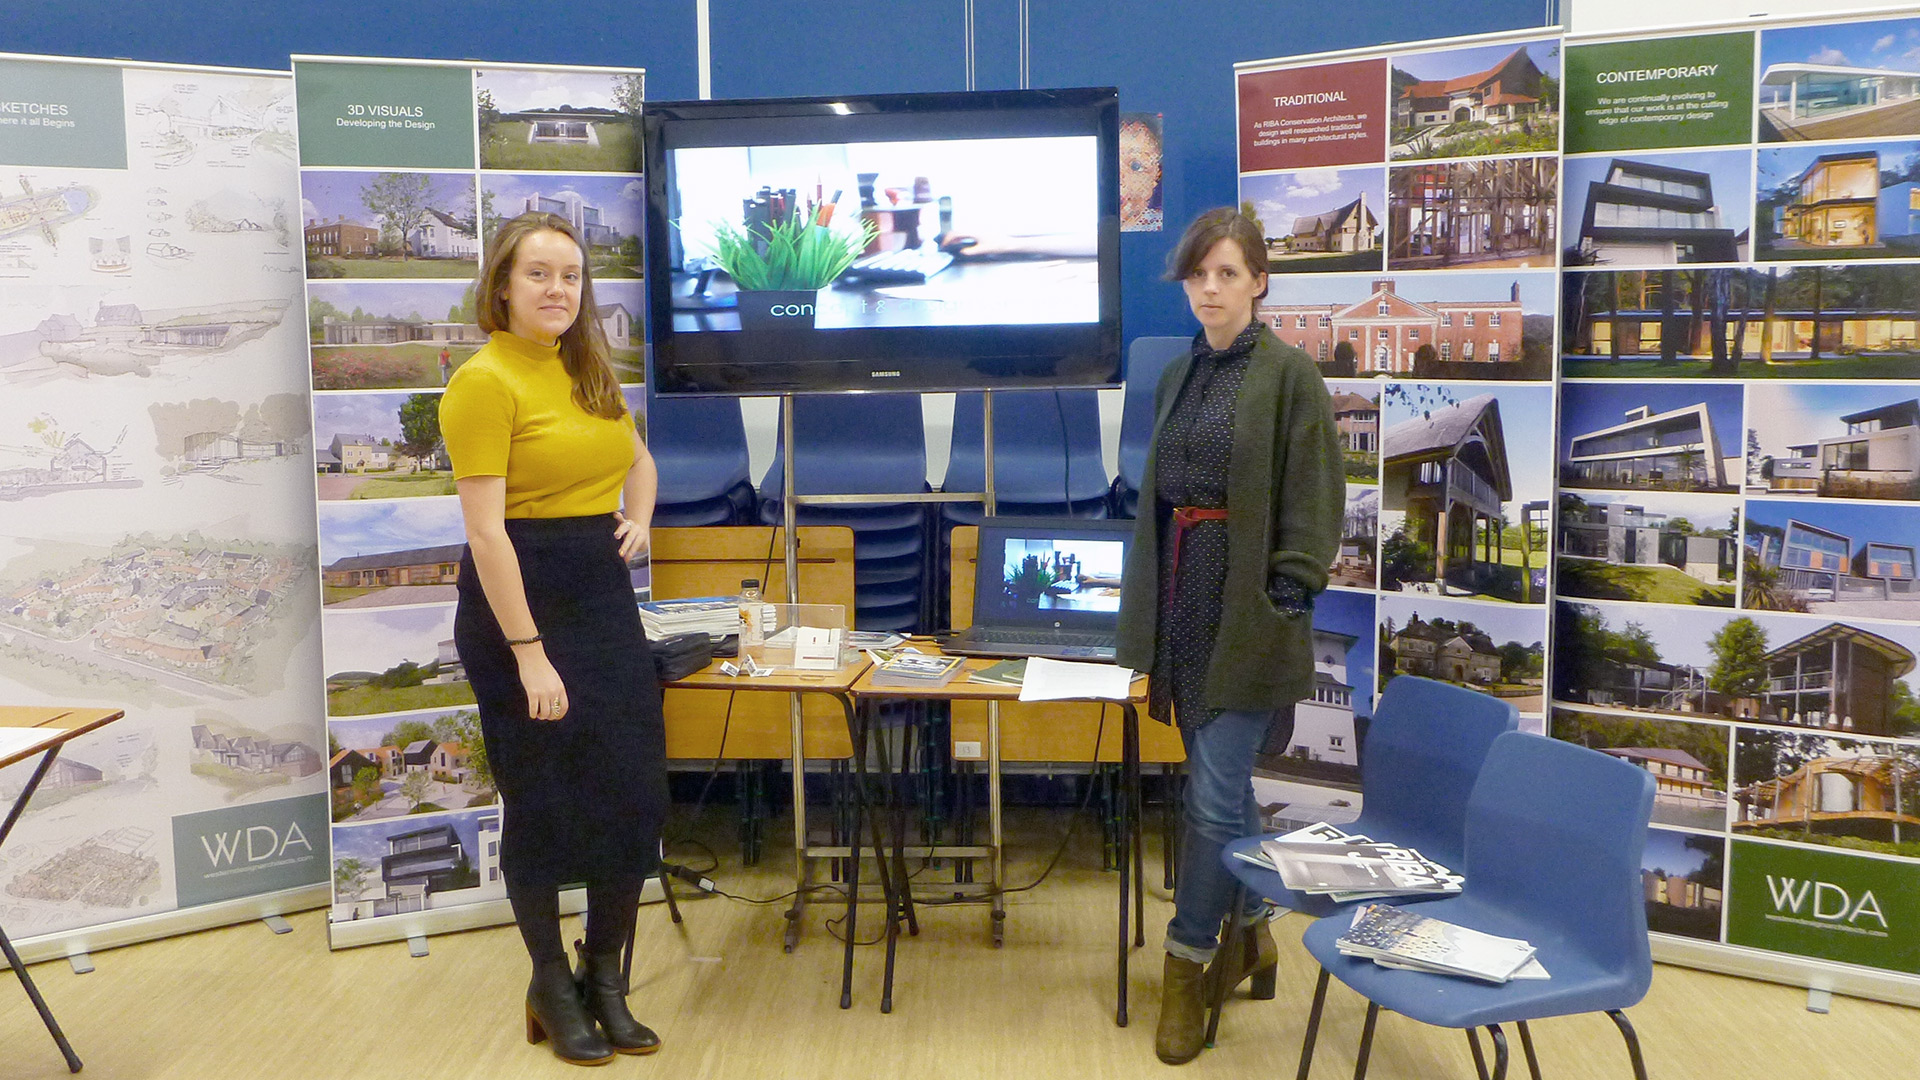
<point x="1045" y="572"/>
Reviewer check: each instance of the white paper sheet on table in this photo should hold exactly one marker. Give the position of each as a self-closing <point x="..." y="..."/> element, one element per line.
<point x="1054" y="680"/>
<point x="15" y="739"/>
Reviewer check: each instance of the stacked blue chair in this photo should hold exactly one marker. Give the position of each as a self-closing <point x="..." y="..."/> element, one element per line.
<point x="1555" y="834"/>
<point x="1147" y="359"/>
<point x="864" y="444"/>
<point x="700" y="447"/>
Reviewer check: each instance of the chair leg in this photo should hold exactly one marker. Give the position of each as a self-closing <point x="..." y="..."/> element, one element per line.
<point x="1633" y="1043"/>
<point x="1479" y="1059"/>
<point x="1366" y="1042"/>
<point x="1526" y="1044"/>
<point x="1499" y="1051"/>
<point x="1313" y="1026"/>
<point x="1230" y="939"/>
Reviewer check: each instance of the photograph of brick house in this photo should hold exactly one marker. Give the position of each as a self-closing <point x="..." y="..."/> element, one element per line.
<point x="1659" y="209"/>
<point x="1819" y="790"/>
<point x="389" y="225"/>
<point x="1824" y="202"/>
<point x="382" y="552"/>
<point x="1474" y="214"/>
<point x="1649" y="437"/>
<point x="1850" y="441"/>
<point x="1654" y="547"/>
<point x="1319" y="220"/>
<point x="1473" y="326"/>
<point x="1832" y="558"/>
<point x="1494" y="99"/>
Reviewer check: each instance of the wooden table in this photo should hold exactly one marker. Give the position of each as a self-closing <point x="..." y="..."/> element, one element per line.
<point x="1132" y="877"/>
<point x="57" y="726"/>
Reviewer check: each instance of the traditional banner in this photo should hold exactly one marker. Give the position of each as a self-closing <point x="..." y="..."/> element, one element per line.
<point x="1739" y="459"/>
<point x="1410" y="203"/>
<point x="406" y="168"/>
<point x="154" y="440"/>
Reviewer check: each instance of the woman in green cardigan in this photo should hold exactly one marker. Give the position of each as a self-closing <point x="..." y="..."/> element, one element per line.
<point x="1240" y="511"/>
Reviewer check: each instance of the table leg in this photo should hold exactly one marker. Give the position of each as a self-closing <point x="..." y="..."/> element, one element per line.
<point x="797" y="731"/>
<point x="853" y="847"/>
<point x="997" y="913"/>
<point x="1136" y="835"/>
<point x="1129" y="751"/>
<point x="6" y="945"/>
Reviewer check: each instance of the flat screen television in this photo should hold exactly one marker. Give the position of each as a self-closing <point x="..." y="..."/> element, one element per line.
<point x="891" y="242"/>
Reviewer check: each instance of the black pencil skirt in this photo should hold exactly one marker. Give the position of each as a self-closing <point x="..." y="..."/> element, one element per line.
<point x="584" y="797"/>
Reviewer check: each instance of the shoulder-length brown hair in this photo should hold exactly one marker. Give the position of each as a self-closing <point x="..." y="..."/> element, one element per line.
<point x="1221" y="223"/>
<point x="583" y="346"/>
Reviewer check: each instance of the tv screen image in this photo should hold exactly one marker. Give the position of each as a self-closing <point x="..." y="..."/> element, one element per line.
<point x="891" y="242"/>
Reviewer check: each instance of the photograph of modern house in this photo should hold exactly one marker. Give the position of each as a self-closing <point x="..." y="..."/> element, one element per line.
<point x="1319" y="220"/>
<point x="1659" y="209"/>
<point x="1480" y="213"/>
<point x="381" y="335"/>
<point x="1649" y="436"/>
<point x="1318" y="767"/>
<point x="604" y="210"/>
<point x="1816" y="790"/>
<point x="1354" y="567"/>
<point x="1688" y="760"/>
<point x="1455" y="326"/>
<point x="411" y="763"/>
<point x="1492" y="648"/>
<point x="1461" y="515"/>
<point x="566" y="121"/>
<point x="389" y="225"/>
<point x="383" y="552"/>
<point x="1846" y="80"/>
<point x="1827" y="202"/>
<point x="1857" y="321"/>
<point x="1654" y="547"/>
<point x="391" y="659"/>
<point x="1497" y="99"/>
<point x="1790" y="670"/>
<point x="1683" y="876"/>
<point x="1835" y="440"/>
<point x="1832" y="558"/>
<point x="393" y="867"/>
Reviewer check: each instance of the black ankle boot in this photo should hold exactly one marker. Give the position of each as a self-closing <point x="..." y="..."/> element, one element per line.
<point x="554" y="1011"/>
<point x="606" y="998"/>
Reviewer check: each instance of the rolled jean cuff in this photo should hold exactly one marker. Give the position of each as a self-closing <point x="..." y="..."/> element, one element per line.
<point x="1188" y="952"/>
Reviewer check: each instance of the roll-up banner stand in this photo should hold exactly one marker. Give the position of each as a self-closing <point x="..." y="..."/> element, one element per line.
<point x="158" y="552"/>
<point x="1737" y="456"/>
<point x="406" y="168"/>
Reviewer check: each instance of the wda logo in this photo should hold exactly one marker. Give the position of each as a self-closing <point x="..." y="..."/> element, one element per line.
<point x="254" y="844"/>
<point x="1823" y="900"/>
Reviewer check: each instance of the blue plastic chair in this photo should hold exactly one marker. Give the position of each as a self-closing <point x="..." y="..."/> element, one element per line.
<point x="1555" y="834"/>
<point x="1035" y="459"/>
<point x="699" y="445"/>
<point x="1147" y="360"/>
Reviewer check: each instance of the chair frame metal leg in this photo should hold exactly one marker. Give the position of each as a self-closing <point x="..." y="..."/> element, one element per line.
<point x="1313" y="1025"/>
<point x="1526" y="1045"/>
<point x="1366" y="1042"/>
<point x="1229" y="938"/>
<point x="1499" y="1051"/>
<point x="1479" y="1058"/>
<point x="1633" y="1043"/>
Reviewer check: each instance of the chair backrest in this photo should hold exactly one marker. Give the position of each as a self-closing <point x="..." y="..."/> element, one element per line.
<point x="1147" y="358"/>
<point x="1034" y="457"/>
<point x="853" y="444"/>
<point x="1420" y="759"/>
<point x="699" y="445"/>
<point x="1557" y="831"/>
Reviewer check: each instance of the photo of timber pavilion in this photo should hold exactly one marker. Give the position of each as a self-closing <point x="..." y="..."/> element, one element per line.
<point x="1806" y="322"/>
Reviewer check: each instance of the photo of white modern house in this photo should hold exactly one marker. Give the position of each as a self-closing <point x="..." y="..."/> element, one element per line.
<point x="1655" y="437"/>
<point x="1853" y="441"/>
<point x="1651" y="546"/>
<point x="1314" y="775"/>
<point x="1839" y="81"/>
<point x="411" y="864"/>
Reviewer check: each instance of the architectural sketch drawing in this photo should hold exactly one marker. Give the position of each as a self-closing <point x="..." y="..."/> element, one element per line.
<point x="126" y="339"/>
<point x="40" y="211"/>
<point x="113" y="869"/>
<point x="193" y="124"/>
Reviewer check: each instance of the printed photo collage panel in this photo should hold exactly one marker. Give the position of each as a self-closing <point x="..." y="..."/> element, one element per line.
<point x="407" y="169"/>
<point x="1410" y="204"/>
<point x="1740" y="430"/>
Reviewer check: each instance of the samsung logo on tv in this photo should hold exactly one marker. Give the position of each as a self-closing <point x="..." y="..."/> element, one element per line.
<point x="885" y="374"/>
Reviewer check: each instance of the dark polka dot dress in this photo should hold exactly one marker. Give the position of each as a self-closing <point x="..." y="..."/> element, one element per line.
<point x="1190" y="461"/>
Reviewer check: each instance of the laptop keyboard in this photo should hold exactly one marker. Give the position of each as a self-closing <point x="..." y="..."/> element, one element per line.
<point x="1016" y="636"/>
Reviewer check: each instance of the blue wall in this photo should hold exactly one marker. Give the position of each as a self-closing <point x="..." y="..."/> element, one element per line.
<point x="1166" y="56"/>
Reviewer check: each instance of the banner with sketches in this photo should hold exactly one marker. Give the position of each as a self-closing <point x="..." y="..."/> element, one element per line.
<point x="1739" y="461"/>
<point x="154" y="444"/>
<point x="406" y="168"/>
<point x="1410" y="203"/>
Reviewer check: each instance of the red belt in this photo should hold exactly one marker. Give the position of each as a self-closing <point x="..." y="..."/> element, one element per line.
<point x="1184" y="518"/>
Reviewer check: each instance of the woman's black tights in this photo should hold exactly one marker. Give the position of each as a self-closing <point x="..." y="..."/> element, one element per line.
<point x="610" y="912"/>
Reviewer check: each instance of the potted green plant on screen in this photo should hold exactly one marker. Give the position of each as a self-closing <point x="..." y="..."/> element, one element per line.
<point x="779" y="269"/>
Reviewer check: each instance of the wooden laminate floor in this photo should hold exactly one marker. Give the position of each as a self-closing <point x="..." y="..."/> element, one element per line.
<point x="241" y="1002"/>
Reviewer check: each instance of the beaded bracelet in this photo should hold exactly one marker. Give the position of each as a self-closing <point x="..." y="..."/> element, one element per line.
<point x="523" y="641"/>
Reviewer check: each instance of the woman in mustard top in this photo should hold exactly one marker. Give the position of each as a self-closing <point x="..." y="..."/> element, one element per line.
<point x="557" y="492"/>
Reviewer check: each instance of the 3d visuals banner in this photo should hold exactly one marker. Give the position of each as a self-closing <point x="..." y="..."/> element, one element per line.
<point x="406" y="167"/>
<point x="1410" y="202"/>
<point x="155" y="441"/>
<point x="1739" y="464"/>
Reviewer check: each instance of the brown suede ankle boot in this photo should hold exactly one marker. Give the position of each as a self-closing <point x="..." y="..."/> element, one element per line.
<point x="1183" y="1012"/>
<point x="1253" y="954"/>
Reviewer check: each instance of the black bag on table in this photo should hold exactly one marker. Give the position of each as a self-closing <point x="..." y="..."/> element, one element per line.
<point x="681" y="655"/>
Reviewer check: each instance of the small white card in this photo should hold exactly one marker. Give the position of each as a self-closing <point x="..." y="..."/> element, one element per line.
<point x="815" y="648"/>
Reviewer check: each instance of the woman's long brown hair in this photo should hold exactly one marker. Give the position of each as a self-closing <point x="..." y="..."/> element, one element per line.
<point x="583" y="346"/>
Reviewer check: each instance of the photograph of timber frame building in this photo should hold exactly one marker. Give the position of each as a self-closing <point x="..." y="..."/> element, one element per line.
<point x="1386" y="330"/>
<point x="1491" y="212"/>
<point x="1856" y="796"/>
<point x="1448" y="472"/>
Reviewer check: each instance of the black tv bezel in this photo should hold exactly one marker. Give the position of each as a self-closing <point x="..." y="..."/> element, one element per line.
<point x="887" y="359"/>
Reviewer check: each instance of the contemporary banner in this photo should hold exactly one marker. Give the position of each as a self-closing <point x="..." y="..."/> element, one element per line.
<point x="158" y="554"/>
<point x="406" y="167"/>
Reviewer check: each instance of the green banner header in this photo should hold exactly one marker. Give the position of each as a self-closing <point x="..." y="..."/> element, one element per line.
<point x="65" y="115"/>
<point x="1661" y="92"/>
<point x="1825" y="904"/>
<point x="386" y="116"/>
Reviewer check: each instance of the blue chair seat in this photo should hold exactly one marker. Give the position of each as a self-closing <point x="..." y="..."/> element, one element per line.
<point x="1036" y="459"/>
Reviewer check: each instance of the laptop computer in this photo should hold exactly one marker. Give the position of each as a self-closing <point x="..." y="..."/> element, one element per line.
<point x="1046" y="587"/>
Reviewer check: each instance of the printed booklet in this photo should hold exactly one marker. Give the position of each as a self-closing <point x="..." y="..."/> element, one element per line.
<point x="1404" y="938"/>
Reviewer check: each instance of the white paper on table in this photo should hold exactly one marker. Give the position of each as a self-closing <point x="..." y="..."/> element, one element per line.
<point x="16" y="739"/>
<point x="1056" y="680"/>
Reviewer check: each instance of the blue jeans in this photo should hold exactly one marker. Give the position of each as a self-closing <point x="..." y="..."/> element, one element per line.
<point x="1220" y="808"/>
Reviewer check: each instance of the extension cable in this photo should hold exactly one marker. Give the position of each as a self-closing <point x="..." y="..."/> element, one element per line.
<point x="704" y="884"/>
